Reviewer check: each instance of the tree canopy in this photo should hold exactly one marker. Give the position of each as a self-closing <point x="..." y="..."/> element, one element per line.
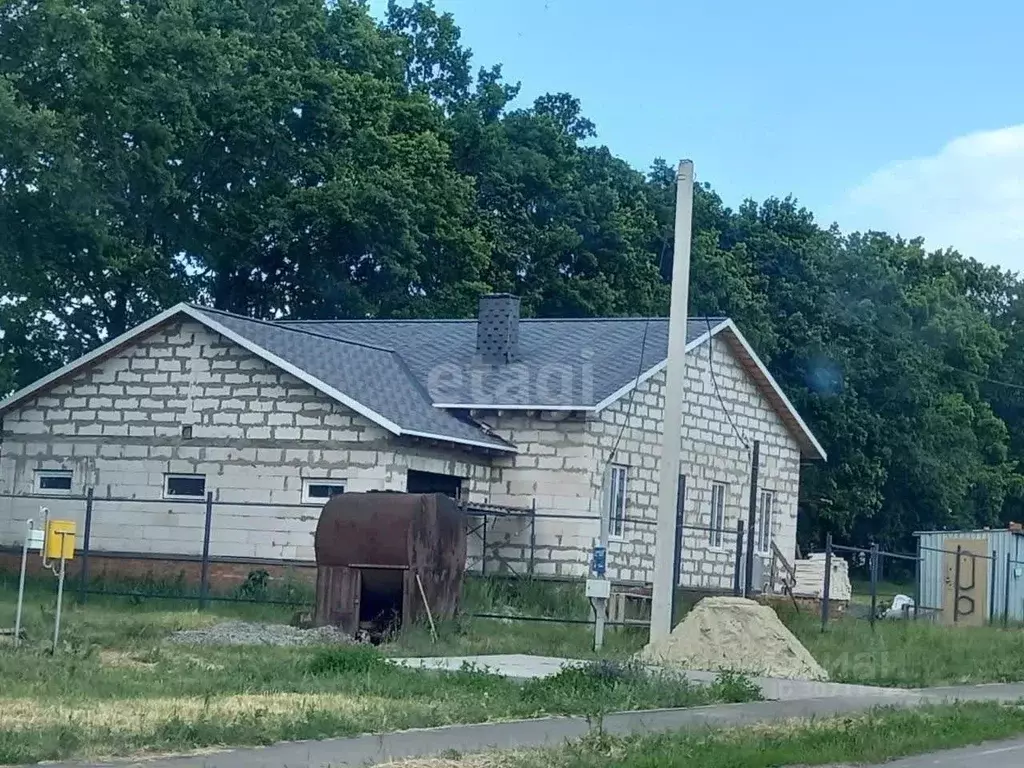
<point x="298" y="158"/>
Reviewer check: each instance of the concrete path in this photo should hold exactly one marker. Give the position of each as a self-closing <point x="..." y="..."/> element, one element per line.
<point x="524" y="667"/>
<point x="516" y="666"/>
<point x="546" y="732"/>
<point x="551" y="732"/>
<point x="1002" y="754"/>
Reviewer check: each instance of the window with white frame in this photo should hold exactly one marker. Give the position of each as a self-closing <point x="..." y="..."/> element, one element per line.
<point x="765" y="508"/>
<point x="321" y="491"/>
<point x="184" y="486"/>
<point x="616" y="499"/>
<point x="53" y="480"/>
<point x="716" y="522"/>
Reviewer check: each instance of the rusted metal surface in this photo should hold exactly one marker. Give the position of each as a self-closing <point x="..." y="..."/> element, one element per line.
<point x="337" y="597"/>
<point x="424" y="534"/>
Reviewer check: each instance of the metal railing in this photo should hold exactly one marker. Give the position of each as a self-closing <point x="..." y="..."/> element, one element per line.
<point x="201" y="586"/>
<point x="998" y="594"/>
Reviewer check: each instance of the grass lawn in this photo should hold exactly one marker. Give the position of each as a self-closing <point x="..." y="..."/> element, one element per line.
<point x="910" y="654"/>
<point x="871" y="738"/>
<point x="117" y="688"/>
<point x="549" y="600"/>
<point x="860" y="589"/>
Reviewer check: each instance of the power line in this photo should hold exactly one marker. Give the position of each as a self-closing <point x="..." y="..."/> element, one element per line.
<point x="718" y="394"/>
<point x="986" y="379"/>
<point x="639" y="370"/>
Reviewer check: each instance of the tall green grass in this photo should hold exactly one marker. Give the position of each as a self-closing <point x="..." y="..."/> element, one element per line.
<point x="873" y="738"/>
<point x="552" y="602"/>
<point x="910" y="654"/>
<point x="151" y="695"/>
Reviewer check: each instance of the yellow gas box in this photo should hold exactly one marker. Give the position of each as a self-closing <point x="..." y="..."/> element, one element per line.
<point x="60" y="539"/>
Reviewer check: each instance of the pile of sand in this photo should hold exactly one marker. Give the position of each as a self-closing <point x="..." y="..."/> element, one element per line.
<point x="738" y="635"/>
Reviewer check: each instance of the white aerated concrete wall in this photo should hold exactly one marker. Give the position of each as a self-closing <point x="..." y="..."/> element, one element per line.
<point x="258" y="432"/>
<point x="713" y="451"/>
<point x="563" y="461"/>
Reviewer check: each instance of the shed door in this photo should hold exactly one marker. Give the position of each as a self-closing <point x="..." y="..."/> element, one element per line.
<point x="338" y="594"/>
<point x="974" y="568"/>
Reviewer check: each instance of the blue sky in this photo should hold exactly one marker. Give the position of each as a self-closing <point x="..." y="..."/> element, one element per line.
<point x="905" y="116"/>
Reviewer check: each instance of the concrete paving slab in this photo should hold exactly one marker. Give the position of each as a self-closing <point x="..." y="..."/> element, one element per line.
<point x="524" y="667"/>
<point x="1005" y="692"/>
<point x="516" y="666"/>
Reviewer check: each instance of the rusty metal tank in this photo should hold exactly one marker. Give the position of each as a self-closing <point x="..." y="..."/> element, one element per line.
<point x="383" y="557"/>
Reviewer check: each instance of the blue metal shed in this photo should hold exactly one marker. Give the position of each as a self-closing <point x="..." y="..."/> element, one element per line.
<point x="1005" y="569"/>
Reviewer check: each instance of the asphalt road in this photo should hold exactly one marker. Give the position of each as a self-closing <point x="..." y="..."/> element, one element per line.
<point x="1002" y="754"/>
<point x="554" y="731"/>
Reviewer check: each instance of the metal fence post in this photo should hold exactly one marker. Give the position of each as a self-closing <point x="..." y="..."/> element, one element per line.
<point x="677" y="557"/>
<point x="83" y="581"/>
<point x="1006" y="594"/>
<point x="737" y="582"/>
<point x="204" y="581"/>
<point x="874" y="582"/>
<point x="827" y="587"/>
<point x="917" y="579"/>
<point x="992" y="589"/>
<point x="956" y="585"/>
<point x="755" y="462"/>
<point x="483" y="547"/>
<point x="533" y="535"/>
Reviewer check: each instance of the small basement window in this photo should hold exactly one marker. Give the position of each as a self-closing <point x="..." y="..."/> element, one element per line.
<point x="764" y="522"/>
<point x="321" y="491"/>
<point x="53" y="480"/>
<point x="716" y="526"/>
<point x="184" y="486"/>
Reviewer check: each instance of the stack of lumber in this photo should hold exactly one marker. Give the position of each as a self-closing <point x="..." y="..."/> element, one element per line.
<point x="810" y="578"/>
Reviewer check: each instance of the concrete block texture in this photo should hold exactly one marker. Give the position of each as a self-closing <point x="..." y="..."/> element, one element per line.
<point x="248" y="443"/>
<point x="715" y="449"/>
<point x="256" y="433"/>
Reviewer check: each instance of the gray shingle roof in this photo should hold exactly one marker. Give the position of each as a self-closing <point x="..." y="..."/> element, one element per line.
<point x="402" y="369"/>
<point x="376" y="378"/>
<point x="403" y="374"/>
<point x="562" y="363"/>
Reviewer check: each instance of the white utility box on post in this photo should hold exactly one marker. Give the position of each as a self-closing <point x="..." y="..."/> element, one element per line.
<point x="598" y="589"/>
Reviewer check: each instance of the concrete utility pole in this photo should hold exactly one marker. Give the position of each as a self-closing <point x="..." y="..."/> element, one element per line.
<point x="664" y="546"/>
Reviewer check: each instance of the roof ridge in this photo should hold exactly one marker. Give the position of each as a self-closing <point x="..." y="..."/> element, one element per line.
<point x="426" y="320"/>
<point x="282" y="326"/>
<point x="354" y="320"/>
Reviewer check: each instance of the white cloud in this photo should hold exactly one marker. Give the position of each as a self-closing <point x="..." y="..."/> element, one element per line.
<point x="969" y="195"/>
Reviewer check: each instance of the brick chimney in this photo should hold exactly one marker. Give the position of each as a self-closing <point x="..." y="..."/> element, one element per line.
<point x="497" y="328"/>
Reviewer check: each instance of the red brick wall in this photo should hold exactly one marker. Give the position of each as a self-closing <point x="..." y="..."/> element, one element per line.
<point x="224" y="576"/>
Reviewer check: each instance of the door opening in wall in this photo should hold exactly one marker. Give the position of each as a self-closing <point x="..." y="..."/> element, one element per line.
<point x="433" y="482"/>
<point x="380" y="602"/>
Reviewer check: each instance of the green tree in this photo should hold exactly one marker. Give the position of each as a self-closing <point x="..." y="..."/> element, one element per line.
<point x="87" y="191"/>
<point x="297" y="158"/>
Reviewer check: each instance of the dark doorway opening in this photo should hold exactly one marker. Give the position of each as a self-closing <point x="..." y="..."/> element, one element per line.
<point x="433" y="482"/>
<point x="380" y="602"/>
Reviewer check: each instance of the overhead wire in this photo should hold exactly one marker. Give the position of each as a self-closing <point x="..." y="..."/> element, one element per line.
<point x="632" y="396"/>
<point x="718" y="393"/>
<point x="639" y="369"/>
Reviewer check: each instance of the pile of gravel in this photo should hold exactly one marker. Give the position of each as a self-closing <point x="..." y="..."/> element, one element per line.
<point x="253" y="633"/>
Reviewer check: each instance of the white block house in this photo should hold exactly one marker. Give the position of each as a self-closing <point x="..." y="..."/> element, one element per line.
<point x="560" y="416"/>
